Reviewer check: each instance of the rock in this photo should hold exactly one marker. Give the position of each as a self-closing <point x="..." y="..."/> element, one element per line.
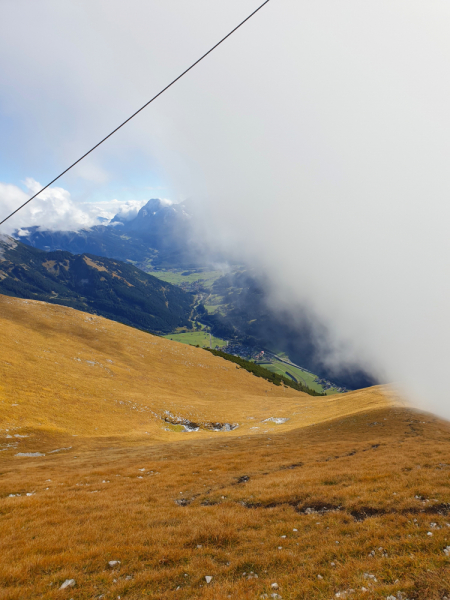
<point x="447" y="551"/>
<point x="29" y="454"/>
<point x="429" y="534"/>
<point x="319" y="577"/>
<point x="243" y="479"/>
<point x="295" y="530"/>
<point x="113" y="563"/>
<point x="208" y="578"/>
<point x="274" y="586"/>
<point x="68" y="584"/>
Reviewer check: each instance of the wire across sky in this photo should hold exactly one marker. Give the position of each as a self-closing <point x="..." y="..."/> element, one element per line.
<point x="135" y="113"/>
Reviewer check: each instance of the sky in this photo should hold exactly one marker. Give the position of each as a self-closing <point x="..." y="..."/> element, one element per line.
<point x="316" y="141"/>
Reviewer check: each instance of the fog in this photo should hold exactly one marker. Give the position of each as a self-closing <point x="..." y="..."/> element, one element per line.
<point x="316" y="141"/>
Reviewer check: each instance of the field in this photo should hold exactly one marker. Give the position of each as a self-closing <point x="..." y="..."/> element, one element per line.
<point x="347" y="496"/>
<point x="302" y="376"/>
<point x="200" y="338"/>
<point x="180" y="277"/>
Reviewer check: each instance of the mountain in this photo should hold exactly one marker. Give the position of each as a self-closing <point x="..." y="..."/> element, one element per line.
<point x="95" y="284"/>
<point x="159" y="236"/>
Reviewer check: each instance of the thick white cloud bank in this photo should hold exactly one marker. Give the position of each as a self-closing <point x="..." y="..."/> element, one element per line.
<point x="318" y="137"/>
<point x="55" y="210"/>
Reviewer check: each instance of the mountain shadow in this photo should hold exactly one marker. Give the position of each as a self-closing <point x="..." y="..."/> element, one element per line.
<point x="94" y="284"/>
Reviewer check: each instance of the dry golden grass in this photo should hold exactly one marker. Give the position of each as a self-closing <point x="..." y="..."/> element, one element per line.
<point x="172" y="508"/>
<point x="65" y="371"/>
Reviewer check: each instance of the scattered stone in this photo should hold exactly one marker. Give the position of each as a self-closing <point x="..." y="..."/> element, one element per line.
<point x="447" y="551"/>
<point x="429" y="533"/>
<point x="319" y="577"/>
<point x="183" y="501"/>
<point x="370" y="576"/>
<point x="208" y="578"/>
<point x="274" y="586"/>
<point x="276" y="420"/>
<point x="68" y="584"/>
<point x="113" y="563"/>
<point x="243" y="479"/>
<point x="295" y="530"/>
<point x="29" y="454"/>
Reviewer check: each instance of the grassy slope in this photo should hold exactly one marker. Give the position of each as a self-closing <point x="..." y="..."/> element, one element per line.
<point x="302" y="376"/>
<point x="381" y="467"/>
<point x="46" y="369"/>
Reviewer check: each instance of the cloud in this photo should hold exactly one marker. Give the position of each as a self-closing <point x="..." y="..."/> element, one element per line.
<point x="54" y="209"/>
<point x="322" y="160"/>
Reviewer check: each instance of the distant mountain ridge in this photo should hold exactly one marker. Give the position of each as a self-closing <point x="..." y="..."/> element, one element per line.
<point x="95" y="284"/>
<point x="159" y="234"/>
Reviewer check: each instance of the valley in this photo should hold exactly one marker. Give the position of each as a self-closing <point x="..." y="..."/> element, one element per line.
<point x="232" y="301"/>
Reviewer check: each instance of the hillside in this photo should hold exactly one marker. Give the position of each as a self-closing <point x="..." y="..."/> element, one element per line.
<point x="79" y="374"/>
<point x="336" y="497"/>
<point x="94" y="284"/>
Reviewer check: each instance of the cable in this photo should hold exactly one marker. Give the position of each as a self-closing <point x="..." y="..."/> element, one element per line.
<point x="137" y="112"/>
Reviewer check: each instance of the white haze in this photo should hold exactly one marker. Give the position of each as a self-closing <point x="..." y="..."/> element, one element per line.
<point x="318" y="139"/>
